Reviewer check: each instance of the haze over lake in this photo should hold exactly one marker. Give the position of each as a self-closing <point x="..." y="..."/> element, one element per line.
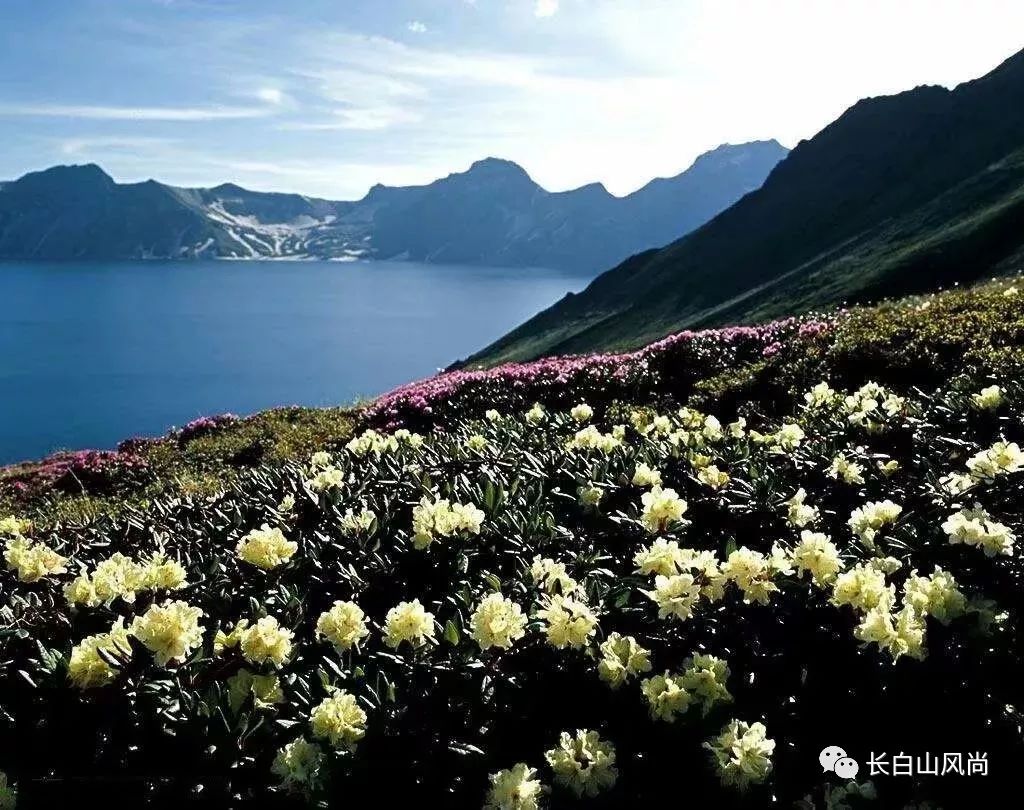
<point x="92" y="353"/>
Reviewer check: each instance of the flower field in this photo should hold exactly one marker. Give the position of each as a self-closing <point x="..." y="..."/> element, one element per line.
<point x="539" y="608"/>
<point x="673" y="575"/>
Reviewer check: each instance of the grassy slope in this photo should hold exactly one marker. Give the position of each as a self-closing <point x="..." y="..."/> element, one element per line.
<point x="917" y="341"/>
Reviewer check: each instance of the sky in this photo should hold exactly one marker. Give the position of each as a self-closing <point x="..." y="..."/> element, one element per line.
<point x="328" y="97"/>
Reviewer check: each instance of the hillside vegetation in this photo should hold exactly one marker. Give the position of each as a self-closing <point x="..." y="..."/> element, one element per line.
<point x="610" y="578"/>
<point x="901" y="194"/>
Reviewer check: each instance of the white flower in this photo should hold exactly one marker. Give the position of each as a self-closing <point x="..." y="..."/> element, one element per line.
<point x="297" y="765"/>
<point x="477" y="443"/>
<point x="666" y="696"/>
<point x="491" y="415"/>
<point x="344" y="625"/>
<point x="753" y="573"/>
<point x="660" y="557"/>
<point x="863" y="587"/>
<point x="937" y="596"/>
<point x="441" y="518"/>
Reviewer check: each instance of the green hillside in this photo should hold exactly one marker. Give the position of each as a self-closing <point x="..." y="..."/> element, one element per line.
<point x="901" y="194"/>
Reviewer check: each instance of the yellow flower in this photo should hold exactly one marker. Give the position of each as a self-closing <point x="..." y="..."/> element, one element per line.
<point x="660" y="557"/>
<point x="266" y="641"/>
<point x="742" y="753"/>
<point x="170" y="631"/>
<point x="862" y="587"/>
<point x="662" y="508"/>
<point x="225" y="641"/>
<point x="492" y="415"/>
<point x="87" y="668"/>
<point x="713" y="477"/>
<point x="339" y="720"/>
<point x="370" y="441"/>
<point x="818" y="556"/>
<point x="590" y="496"/>
<point x="357" y="522"/>
<point x="160" y="572"/>
<point x="551" y="576"/>
<point x="867" y="520"/>
<point x="622" y="658"/>
<point x="326" y="479"/>
<point x="514" y="789"/>
<point x="536" y="414"/>
<point x="820" y="396"/>
<point x="477" y="442"/>
<point x="584" y="763"/>
<point x="975" y="527"/>
<point x="344" y="625"/>
<point x="570" y="621"/>
<point x="297" y="765"/>
<point x="789" y="437"/>
<point x="582" y="412"/>
<point x="644" y="476"/>
<point x="590" y="438"/>
<point x="497" y="622"/>
<point x="988" y="399"/>
<point x="849" y="471"/>
<point x="675" y="596"/>
<point x="265" y="690"/>
<point x="999" y="459"/>
<point x="81" y="592"/>
<point x="799" y="513"/>
<point x="704" y="677"/>
<point x="266" y="548"/>
<point x="408" y="622"/>
<point x="666" y="696"/>
<point x="13" y="527"/>
<point x="937" y="596"/>
<point x="752" y="572"/>
<point x="441" y="518"/>
<point x="32" y="561"/>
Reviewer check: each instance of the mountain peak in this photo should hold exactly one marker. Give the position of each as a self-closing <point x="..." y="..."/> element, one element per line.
<point x="730" y="153"/>
<point x="498" y="167"/>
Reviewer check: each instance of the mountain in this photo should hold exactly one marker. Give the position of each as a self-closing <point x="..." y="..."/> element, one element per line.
<point x="492" y="214"/>
<point x="900" y="194"/>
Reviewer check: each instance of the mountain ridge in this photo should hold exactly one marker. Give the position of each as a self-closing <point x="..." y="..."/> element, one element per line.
<point x="862" y="210"/>
<point x="493" y="213"/>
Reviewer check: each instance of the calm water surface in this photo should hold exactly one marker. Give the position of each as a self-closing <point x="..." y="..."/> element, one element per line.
<point x="91" y="353"/>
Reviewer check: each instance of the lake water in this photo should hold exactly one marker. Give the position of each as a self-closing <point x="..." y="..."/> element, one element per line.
<point x="91" y="353"/>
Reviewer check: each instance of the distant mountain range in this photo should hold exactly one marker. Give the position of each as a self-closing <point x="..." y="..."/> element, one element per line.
<point x="901" y="194"/>
<point x="492" y="214"/>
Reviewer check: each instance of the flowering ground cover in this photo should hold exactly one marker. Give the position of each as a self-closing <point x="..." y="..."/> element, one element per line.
<point x="542" y="607"/>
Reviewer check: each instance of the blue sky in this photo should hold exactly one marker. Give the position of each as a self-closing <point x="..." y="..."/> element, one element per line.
<point x="327" y="97"/>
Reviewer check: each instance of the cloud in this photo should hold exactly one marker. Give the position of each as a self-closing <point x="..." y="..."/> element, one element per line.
<point x="271" y="95"/>
<point x="104" y="113"/>
<point x="356" y="118"/>
<point x="545" y="8"/>
<point x="417" y="27"/>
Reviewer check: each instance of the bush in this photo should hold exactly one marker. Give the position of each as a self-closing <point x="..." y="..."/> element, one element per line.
<point x="451" y="685"/>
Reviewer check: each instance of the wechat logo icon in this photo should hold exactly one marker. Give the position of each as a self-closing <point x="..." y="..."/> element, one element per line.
<point x="833" y="758"/>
